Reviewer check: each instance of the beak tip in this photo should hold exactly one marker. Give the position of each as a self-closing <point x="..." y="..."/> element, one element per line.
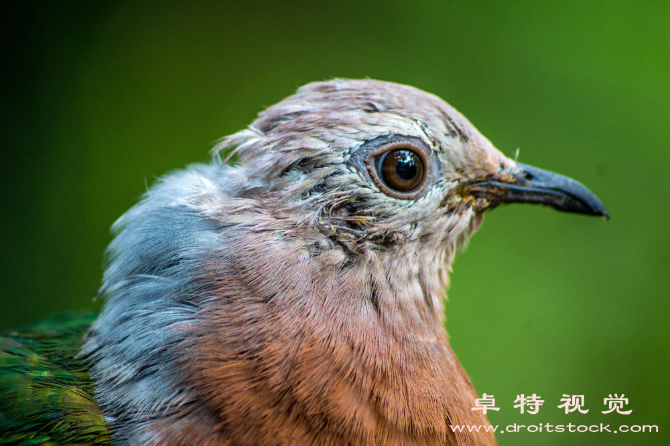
<point x="597" y="208"/>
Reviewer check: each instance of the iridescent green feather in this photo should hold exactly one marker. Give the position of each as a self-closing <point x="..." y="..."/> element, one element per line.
<point x="46" y="396"/>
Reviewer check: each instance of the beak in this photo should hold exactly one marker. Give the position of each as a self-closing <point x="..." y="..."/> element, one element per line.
<point x="527" y="184"/>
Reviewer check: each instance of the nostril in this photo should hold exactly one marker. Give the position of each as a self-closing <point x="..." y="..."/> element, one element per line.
<point x="528" y="175"/>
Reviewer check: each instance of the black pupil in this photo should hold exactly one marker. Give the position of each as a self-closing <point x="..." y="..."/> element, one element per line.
<point x="406" y="164"/>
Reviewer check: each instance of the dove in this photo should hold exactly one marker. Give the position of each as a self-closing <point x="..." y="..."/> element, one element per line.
<point x="288" y="292"/>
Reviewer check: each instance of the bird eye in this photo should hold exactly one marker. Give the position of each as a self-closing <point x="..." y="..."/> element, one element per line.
<point x="401" y="169"/>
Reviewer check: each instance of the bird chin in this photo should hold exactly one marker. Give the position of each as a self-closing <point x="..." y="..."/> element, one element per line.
<point x="474" y="224"/>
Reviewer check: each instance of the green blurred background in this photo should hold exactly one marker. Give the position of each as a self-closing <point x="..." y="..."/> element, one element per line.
<point x="99" y="99"/>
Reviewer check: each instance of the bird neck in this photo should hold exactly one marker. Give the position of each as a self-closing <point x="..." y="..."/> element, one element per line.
<point x="304" y="349"/>
<point x="227" y="325"/>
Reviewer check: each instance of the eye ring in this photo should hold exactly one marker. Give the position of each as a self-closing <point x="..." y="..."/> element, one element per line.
<point x="400" y="169"/>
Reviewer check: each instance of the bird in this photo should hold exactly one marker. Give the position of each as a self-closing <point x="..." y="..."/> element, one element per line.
<point x="290" y="291"/>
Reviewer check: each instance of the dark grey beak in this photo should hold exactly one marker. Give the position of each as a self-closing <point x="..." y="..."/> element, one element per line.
<point x="527" y="184"/>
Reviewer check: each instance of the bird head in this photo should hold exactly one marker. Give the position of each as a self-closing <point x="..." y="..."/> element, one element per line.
<point x="384" y="169"/>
